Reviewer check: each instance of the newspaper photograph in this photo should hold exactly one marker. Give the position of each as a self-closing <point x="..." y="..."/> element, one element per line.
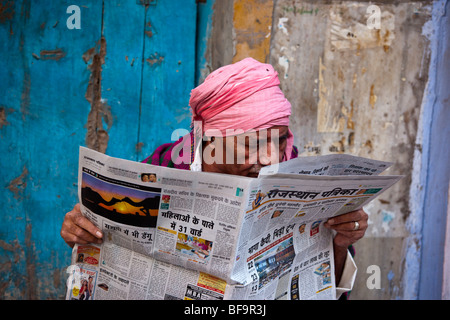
<point x="178" y="234"/>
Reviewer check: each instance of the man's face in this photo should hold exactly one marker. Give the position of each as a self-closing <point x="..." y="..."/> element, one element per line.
<point x="245" y="154"/>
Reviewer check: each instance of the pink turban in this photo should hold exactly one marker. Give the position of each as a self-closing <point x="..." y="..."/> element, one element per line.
<point x="244" y="95"/>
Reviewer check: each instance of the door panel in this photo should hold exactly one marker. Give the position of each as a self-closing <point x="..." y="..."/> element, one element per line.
<point x="62" y="88"/>
<point x="168" y="72"/>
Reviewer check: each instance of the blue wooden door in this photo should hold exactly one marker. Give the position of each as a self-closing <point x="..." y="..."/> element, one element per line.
<point x="119" y="84"/>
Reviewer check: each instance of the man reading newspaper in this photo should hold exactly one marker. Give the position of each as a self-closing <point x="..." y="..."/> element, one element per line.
<point x="239" y="100"/>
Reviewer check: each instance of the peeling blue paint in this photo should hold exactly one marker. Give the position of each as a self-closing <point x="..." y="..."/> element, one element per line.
<point x="204" y="23"/>
<point x="387" y="216"/>
<point x="390" y="275"/>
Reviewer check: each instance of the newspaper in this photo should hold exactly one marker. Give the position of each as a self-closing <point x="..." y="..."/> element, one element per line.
<point x="178" y="234"/>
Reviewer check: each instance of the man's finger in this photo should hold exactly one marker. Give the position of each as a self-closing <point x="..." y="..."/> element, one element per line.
<point x="348" y="217"/>
<point x="349" y="226"/>
<point x="83" y="223"/>
<point x="75" y="234"/>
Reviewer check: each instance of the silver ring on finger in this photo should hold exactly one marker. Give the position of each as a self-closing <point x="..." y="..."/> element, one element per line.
<point x="356" y="227"/>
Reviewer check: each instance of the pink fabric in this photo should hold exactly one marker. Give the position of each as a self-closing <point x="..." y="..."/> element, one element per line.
<point x="244" y="95"/>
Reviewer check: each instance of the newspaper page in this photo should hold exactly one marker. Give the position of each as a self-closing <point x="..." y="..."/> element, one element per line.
<point x="172" y="216"/>
<point x="284" y="250"/>
<point x="331" y="165"/>
<point x="177" y="234"/>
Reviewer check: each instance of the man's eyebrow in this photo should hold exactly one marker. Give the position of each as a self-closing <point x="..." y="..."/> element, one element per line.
<point x="284" y="136"/>
<point x="280" y="137"/>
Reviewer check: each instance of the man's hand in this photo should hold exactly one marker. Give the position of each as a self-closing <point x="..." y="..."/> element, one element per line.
<point x="78" y="229"/>
<point x="350" y="227"/>
<point x="345" y="227"/>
